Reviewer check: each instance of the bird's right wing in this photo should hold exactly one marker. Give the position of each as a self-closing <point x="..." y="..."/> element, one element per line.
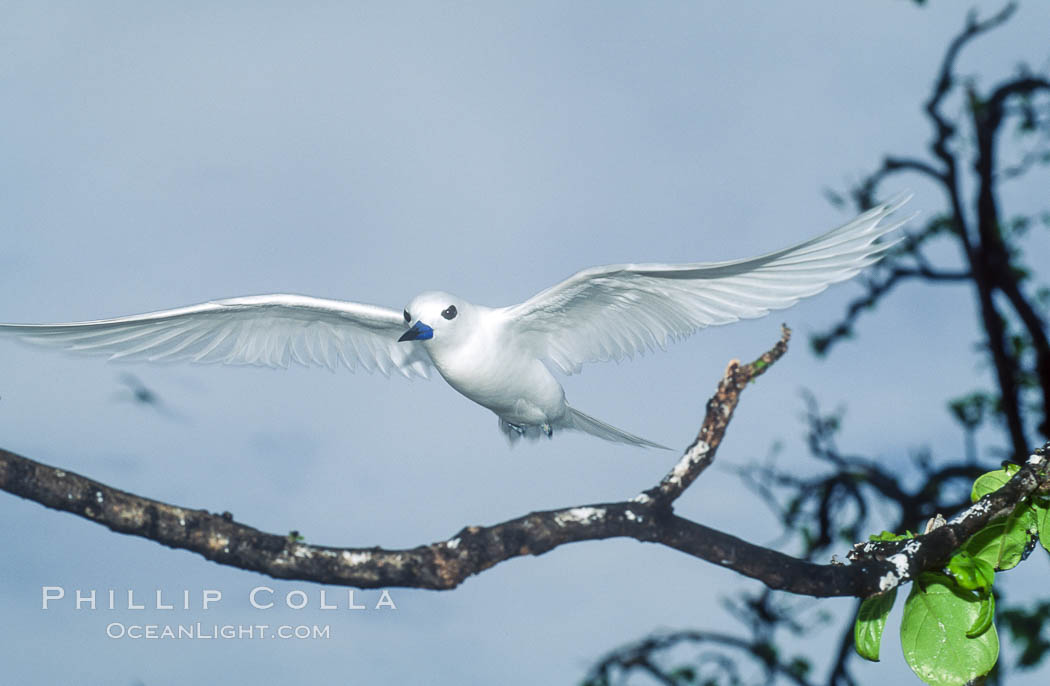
<point x="614" y="311"/>
<point x="266" y="330"/>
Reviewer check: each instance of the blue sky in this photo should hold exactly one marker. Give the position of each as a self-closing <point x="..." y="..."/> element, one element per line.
<point x="158" y="155"/>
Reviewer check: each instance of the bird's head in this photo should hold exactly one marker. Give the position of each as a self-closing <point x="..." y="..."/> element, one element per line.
<point x="436" y="315"/>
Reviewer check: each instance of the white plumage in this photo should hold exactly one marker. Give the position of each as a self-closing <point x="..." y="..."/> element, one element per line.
<point x="266" y="330"/>
<point x="497" y="357"/>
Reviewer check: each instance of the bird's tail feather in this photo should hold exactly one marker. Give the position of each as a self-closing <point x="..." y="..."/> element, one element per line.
<point x="584" y="422"/>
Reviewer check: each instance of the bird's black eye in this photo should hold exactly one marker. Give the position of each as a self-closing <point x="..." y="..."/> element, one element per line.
<point x="408" y="317"/>
<point x="449" y="312"/>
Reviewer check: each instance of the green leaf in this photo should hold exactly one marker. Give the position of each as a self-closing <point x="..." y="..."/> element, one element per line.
<point x="1003" y="542"/>
<point x="989" y="482"/>
<point x="936" y="618"/>
<point x="890" y="536"/>
<point x="871" y="620"/>
<point x="971" y="573"/>
<point x="1041" y="514"/>
<point x="984" y="616"/>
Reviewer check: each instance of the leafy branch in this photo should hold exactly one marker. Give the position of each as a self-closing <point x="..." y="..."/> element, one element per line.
<point x="947" y="630"/>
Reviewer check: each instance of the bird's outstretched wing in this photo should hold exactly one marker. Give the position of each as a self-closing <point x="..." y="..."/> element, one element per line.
<point x="611" y="312"/>
<point x="266" y="330"/>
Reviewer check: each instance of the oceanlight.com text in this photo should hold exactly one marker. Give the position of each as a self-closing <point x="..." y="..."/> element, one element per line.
<point x="198" y="631"/>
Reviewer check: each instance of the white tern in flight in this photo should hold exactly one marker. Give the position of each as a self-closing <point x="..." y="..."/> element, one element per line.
<point x="499" y="357"/>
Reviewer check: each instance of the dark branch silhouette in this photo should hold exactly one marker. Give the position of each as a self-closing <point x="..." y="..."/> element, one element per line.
<point x="993" y="267"/>
<point x="645" y="656"/>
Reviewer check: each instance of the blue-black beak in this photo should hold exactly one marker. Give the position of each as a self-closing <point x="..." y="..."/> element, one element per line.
<point x="419" y="332"/>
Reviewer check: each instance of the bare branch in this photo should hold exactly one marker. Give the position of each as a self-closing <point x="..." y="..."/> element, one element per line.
<point x="876" y="289"/>
<point x="640" y="655"/>
<point x="1023" y="86"/>
<point x="701" y="453"/>
<point x="445" y="564"/>
<point x="891" y="164"/>
<point x="945" y="80"/>
<point x="865" y="193"/>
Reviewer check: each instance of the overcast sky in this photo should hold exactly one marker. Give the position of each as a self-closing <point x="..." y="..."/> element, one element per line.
<point x="163" y="154"/>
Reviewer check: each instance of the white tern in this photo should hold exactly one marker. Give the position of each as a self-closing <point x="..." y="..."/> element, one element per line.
<point x="499" y="357"/>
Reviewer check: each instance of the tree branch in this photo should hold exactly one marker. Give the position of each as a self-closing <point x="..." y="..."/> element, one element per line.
<point x="877" y="288"/>
<point x="987" y="254"/>
<point x="946" y="79"/>
<point x="931" y="550"/>
<point x="994" y="265"/>
<point x="701" y="453"/>
<point x="648" y="517"/>
<point x="640" y="655"/>
<point x="865" y="192"/>
<point x="988" y="118"/>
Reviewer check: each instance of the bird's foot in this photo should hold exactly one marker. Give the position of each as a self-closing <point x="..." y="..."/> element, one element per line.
<point x="518" y="428"/>
<point x="546" y="428"/>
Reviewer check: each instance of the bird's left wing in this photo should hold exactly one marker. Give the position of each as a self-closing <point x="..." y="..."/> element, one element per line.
<point x="612" y="312"/>
<point x="267" y="330"/>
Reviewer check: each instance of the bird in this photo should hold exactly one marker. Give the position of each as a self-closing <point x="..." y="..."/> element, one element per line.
<point x="502" y="358"/>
